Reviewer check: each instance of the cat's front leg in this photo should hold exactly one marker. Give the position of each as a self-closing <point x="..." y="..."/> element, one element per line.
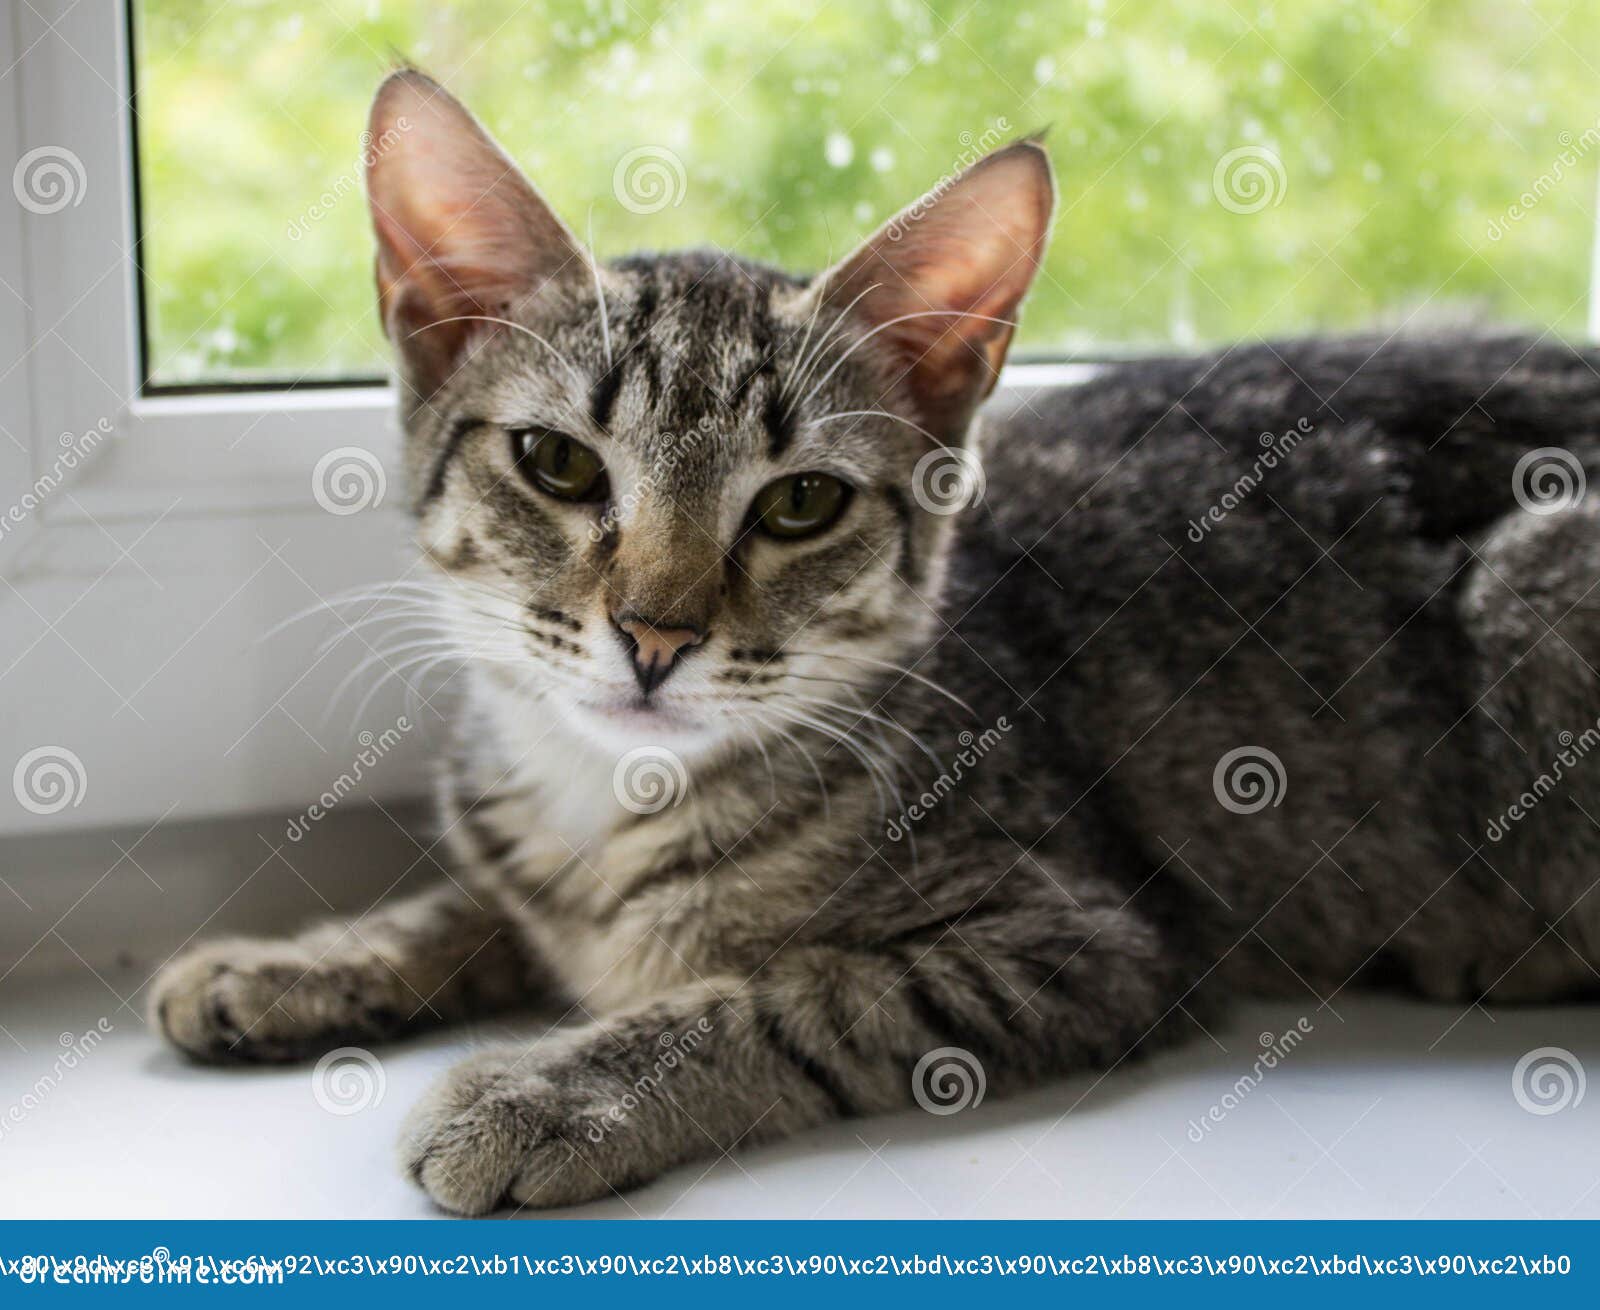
<point x="585" y="1111"/>
<point x="820" y="1033"/>
<point x="442" y="955"/>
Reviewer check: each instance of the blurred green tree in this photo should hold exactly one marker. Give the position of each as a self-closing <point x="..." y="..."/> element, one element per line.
<point x="1226" y="172"/>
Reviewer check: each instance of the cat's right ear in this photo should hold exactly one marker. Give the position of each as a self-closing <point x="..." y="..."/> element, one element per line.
<point x="462" y="235"/>
<point x="940" y="285"/>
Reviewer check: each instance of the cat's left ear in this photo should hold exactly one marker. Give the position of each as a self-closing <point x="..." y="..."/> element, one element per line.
<point x="940" y="284"/>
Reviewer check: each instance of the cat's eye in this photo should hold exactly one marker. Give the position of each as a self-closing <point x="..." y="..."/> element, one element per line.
<point x="558" y="465"/>
<point x="799" y="505"/>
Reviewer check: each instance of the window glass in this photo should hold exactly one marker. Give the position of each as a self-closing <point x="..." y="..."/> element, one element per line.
<point x="1226" y="171"/>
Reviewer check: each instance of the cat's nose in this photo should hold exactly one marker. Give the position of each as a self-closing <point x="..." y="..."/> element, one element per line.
<point x="655" y="647"/>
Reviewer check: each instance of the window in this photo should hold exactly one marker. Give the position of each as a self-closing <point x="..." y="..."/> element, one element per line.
<point x="1226" y="171"/>
<point x="186" y="306"/>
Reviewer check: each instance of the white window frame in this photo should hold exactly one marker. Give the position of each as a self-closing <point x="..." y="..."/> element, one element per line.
<point x="220" y="474"/>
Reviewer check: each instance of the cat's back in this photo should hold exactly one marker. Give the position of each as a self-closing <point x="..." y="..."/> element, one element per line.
<point x="1259" y="550"/>
<point x="1448" y="415"/>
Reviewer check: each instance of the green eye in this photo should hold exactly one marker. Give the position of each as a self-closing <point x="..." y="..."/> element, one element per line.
<point x="800" y="505"/>
<point x="558" y="465"/>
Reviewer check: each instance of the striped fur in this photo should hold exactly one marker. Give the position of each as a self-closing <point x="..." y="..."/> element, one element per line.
<point x="759" y="954"/>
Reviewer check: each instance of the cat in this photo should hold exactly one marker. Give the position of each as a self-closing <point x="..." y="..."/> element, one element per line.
<point x="813" y="766"/>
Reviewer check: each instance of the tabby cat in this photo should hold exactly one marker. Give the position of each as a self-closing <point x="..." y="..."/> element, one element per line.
<point x="809" y="761"/>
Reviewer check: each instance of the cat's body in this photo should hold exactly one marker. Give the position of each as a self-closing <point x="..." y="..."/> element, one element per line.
<point x="942" y="781"/>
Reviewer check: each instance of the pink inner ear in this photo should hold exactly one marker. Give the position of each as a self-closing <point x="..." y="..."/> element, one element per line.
<point x="460" y="231"/>
<point x="942" y="282"/>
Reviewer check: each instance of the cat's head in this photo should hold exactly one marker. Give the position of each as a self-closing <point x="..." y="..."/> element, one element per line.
<point x="684" y="494"/>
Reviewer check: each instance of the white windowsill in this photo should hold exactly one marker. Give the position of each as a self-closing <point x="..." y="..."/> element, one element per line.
<point x="1344" y="1128"/>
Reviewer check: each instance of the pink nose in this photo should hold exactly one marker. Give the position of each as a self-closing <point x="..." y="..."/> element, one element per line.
<point x="655" y="648"/>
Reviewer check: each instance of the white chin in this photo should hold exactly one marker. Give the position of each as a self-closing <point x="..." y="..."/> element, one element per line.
<point x="627" y="725"/>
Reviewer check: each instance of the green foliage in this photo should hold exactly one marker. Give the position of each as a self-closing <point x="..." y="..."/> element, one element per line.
<point x="1393" y="137"/>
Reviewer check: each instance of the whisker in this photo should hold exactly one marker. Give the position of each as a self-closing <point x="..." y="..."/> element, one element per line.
<point x="776" y="725"/>
<point x="839" y="324"/>
<point x="599" y="293"/>
<point x="889" y="323"/>
<point x="874" y="413"/>
<point x="516" y="327"/>
<point x="894" y="668"/>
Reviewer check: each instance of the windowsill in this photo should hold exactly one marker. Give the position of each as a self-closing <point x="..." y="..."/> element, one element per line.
<point x="1352" y="1124"/>
<point x="1389" y="1108"/>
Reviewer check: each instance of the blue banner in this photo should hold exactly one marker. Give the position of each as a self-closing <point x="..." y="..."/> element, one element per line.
<point x="792" y="1263"/>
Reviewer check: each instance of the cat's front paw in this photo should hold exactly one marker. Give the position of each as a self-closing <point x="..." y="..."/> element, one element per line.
<point x="501" y="1130"/>
<point x="241" y="1000"/>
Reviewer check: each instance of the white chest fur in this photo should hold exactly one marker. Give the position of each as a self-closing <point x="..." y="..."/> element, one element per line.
<point x="580" y="852"/>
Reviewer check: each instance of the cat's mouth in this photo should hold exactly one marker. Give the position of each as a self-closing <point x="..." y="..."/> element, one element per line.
<point x="634" y="720"/>
<point x="639" y="713"/>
